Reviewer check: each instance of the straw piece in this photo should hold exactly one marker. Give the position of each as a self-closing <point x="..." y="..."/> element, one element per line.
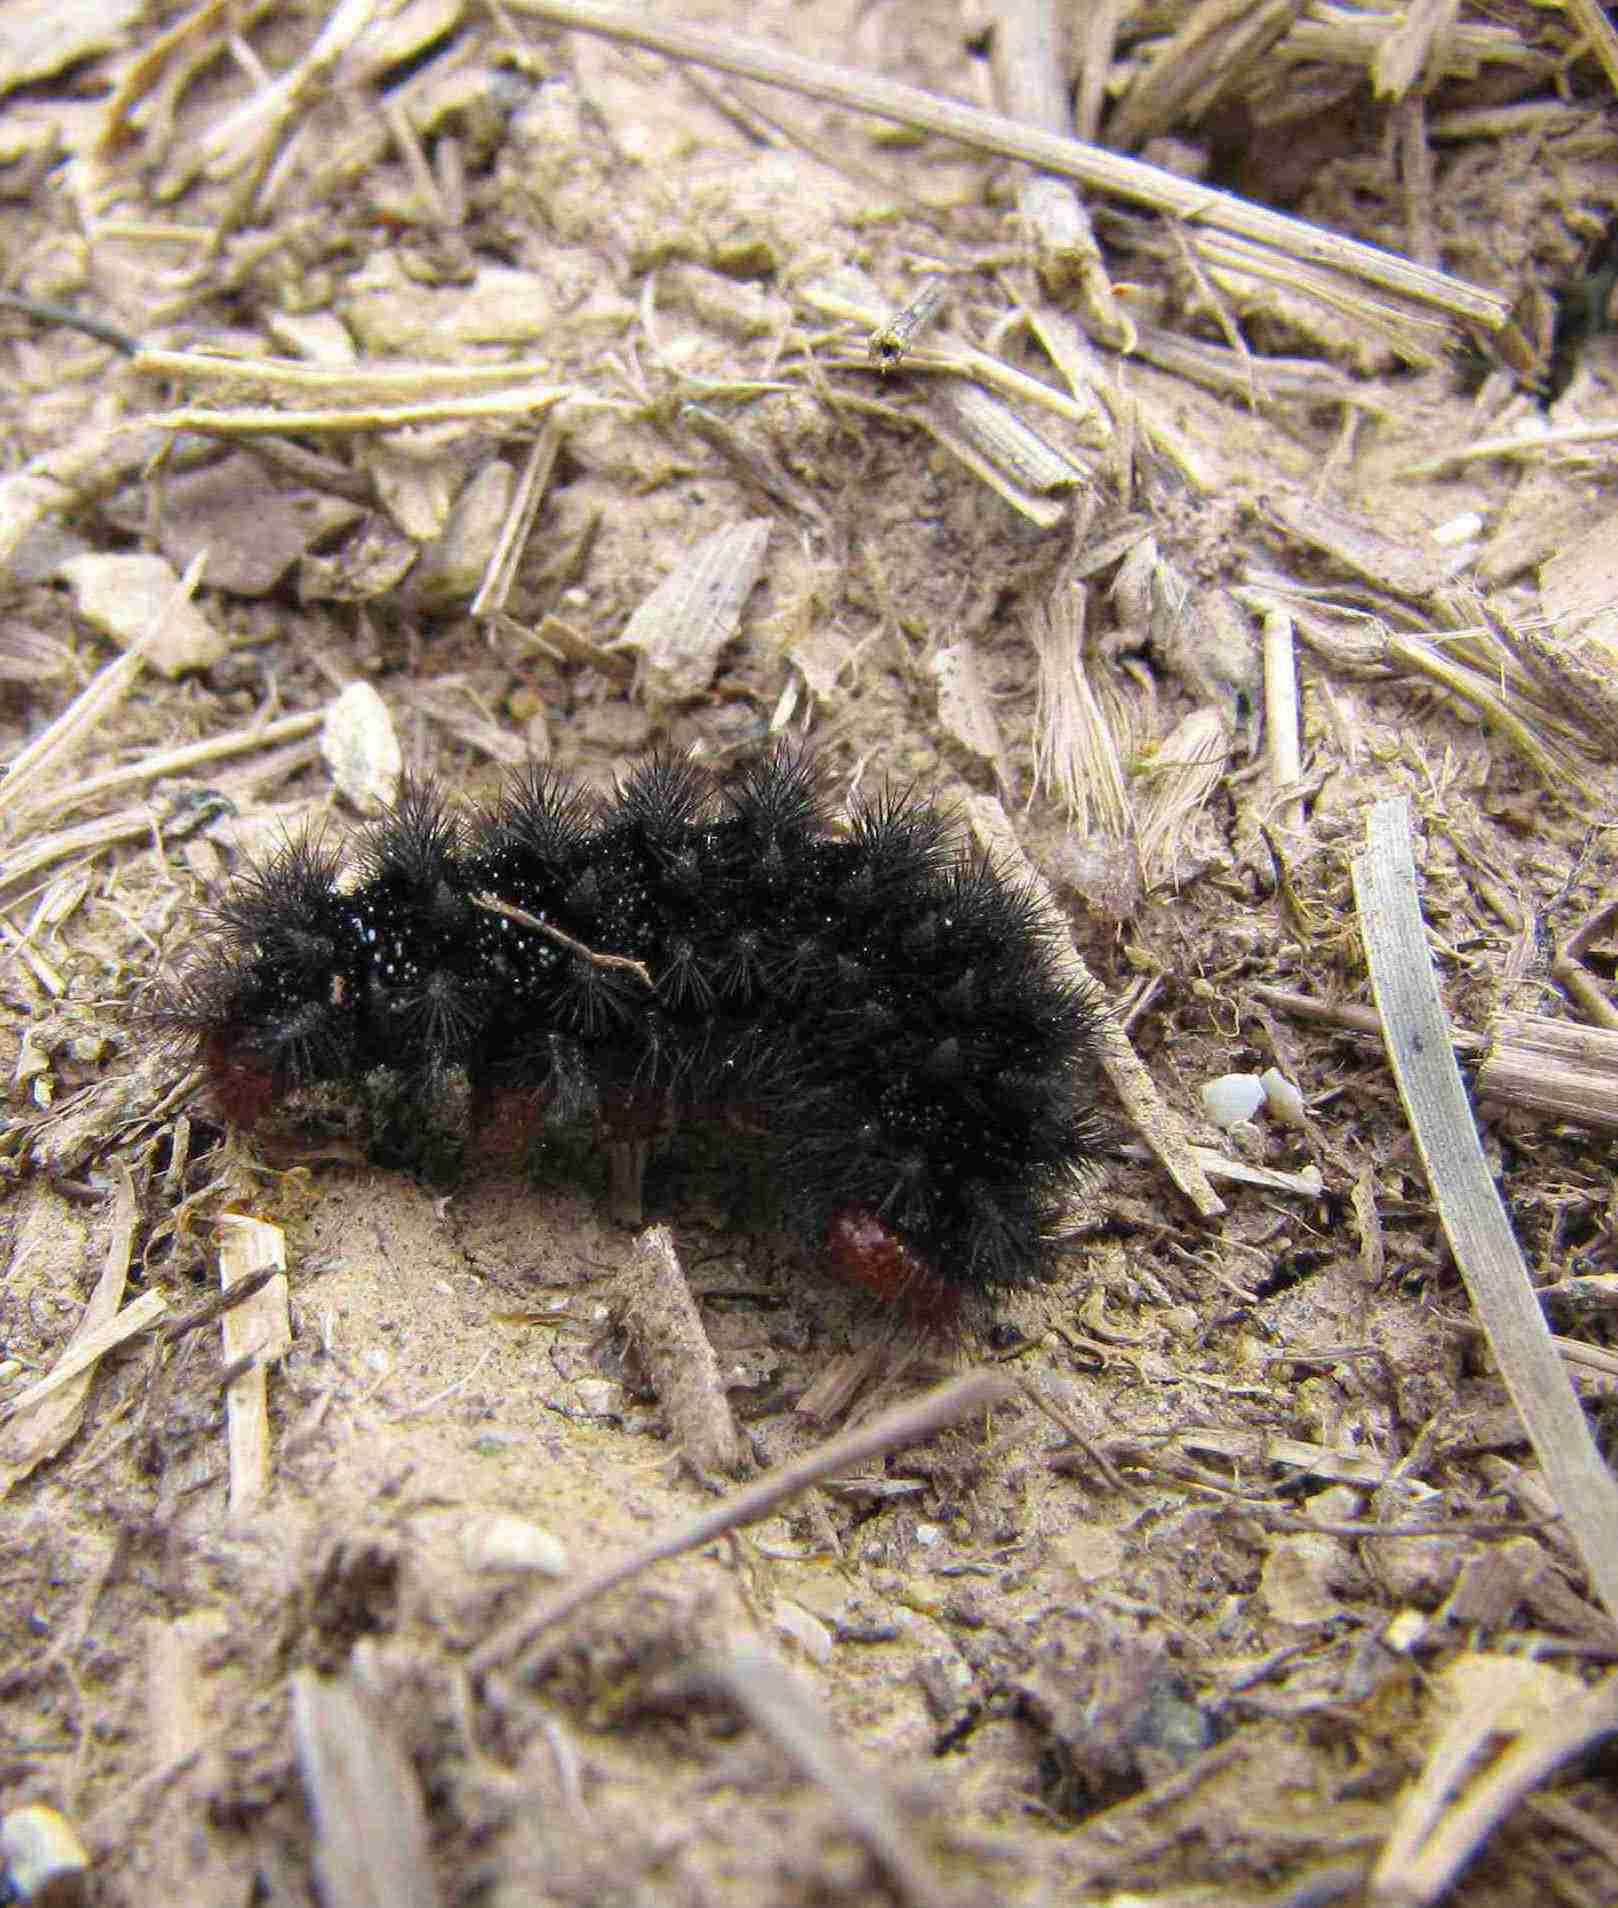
<point x="90" y="465"/>
<point x="782" y="1709"/>
<point x="1414" y="48"/>
<point x="88" y="1350"/>
<point x="1592" y="21"/>
<point x="1187" y="768"/>
<point x="664" y="1325"/>
<point x="1219" y="44"/>
<point x="41" y="852"/>
<point x="1257" y="380"/>
<point x="1002" y="451"/>
<point x="1096" y="27"/>
<point x="380" y="382"/>
<point x="1390" y="563"/>
<point x="371" y="1843"/>
<point x="1530" y="445"/>
<point x="41" y="1420"/>
<point x="1076" y="753"/>
<point x="1414" y="1869"/>
<point x="177" y="1654"/>
<point x="166" y="762"/>
<point x="1221" y="1166"/>
<point x="258" y="1330"/>
<point x="1157" y="1123"/>
<point x="1553" y="1068"/>
<point x="990" y="132"/>
<point x="1031" y="86"/>
<point x="1416" y="1036"/>
<point x="50" y="749"/>
<point x="523" y="400"/>
<point x="524" y="508"/>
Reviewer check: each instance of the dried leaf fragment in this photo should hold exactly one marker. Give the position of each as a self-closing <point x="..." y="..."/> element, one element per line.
<point x="964" y="709"/>
<point x="253" y="532"/>
<point x="362" y="750"/>
<point x="135" y="598"/>
<point x="683" y="626"/>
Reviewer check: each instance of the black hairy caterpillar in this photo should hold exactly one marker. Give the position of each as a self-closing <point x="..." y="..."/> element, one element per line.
<point x="886" y="1004"/>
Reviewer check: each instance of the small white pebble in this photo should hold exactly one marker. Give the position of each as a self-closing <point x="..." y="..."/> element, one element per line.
<point x="1283" y="1098"/>
<point x="1459" y="529"/>
<point x="503" y="1542"/>
<point x="599" y="1395"/>
<point x="1232" y="1097"/>
<point x="1406" y="1630"/>
<point x="803" y="1628"/>
<point x="929" y="1535"/>
<point x="41" y="1857"/>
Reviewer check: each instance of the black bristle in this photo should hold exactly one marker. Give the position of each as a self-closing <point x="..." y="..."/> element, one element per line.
<point x="593" y="1001"/>
<point x="288" y="903"/>
<point x="307" y="1041"/>
<point x="901" y="844"/>
<point x="417" y="843"/>
<point x="664" y="799"/>
<point x="889" y="1005"/>
<point x="777" y="801"/>
<point x="540" y="818"/>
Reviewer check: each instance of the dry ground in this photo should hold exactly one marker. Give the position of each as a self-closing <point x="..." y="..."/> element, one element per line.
<point x="1187" y="1612"/>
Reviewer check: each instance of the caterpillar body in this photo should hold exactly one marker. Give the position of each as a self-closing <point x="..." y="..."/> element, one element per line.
<point x="885" y="1003"/>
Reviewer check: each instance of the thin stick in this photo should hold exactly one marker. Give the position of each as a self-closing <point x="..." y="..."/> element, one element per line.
<point x="527" y="400"/>
<point x="1562" y="437"/>
<point x="74" y="321"/>
<point x="1281" y="714"/>
<point x="89" y="709"/>
<point x="1346" y="1015"/>
<point x="379" y="382"/>
<point x="513" y="539"/>
<point x="443" y="1397"/>
<point x="1129" y="179"/>
<point x="85" y="1352"/>
<point x="1573" y="1351"/>
<point x="151" y="768"/>
<point x="780" y="1708"/>
<point x="509" y="911"/>
<point x="906" y="1424"/>
<point x="221" y="1302"/>
<point x="88" y="838"/>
